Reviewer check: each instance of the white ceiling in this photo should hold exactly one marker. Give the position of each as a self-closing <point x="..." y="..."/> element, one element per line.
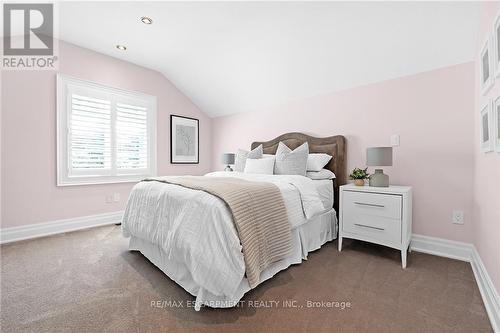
<point x="231" y="57"/>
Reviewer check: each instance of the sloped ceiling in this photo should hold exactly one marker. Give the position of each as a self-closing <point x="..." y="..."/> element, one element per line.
<point x="231" y="57"/>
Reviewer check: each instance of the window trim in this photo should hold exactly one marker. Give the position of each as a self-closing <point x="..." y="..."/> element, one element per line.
<point x="62" y="153"/>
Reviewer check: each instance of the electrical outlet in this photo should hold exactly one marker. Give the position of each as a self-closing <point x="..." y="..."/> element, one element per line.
<point x="395" y="140"/>
<point x="457" y="217"/>
<point x="116" y="197"/>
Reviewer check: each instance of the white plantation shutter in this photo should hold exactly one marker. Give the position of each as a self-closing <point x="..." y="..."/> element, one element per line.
<point x="131" y="137"/>
<point x="104" y="134"/>
<point x="89" y="135"/>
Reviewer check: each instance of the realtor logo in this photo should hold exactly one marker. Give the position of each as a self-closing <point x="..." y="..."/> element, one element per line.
<point x="37" y="21"/>
<point x="28" y="41"/>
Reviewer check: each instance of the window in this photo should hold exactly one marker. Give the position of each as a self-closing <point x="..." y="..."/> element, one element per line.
<point x="104" y="135"/>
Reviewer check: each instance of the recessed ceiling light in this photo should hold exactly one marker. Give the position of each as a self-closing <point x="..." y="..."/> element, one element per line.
<point x="121" y="47"/>
<point x="146" y="20"/>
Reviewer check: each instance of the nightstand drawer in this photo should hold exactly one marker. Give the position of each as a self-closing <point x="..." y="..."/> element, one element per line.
<point x="375" y="228"/>
<point x="372" y="204"/>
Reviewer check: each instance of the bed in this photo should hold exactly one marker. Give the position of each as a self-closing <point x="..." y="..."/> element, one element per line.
<point x="190" y="234"/>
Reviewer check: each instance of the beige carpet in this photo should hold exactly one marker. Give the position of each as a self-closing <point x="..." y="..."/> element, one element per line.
<point x="88" y="281"/>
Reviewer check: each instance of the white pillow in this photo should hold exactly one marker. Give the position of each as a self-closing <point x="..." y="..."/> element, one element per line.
<point x="263" y="166"/>
<point x="243" y="155"/>
<point x="320" y="175"/>
<point x="316" y="162"/>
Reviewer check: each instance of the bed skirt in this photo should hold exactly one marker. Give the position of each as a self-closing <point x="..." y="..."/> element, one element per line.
<point x="306" y="238"/>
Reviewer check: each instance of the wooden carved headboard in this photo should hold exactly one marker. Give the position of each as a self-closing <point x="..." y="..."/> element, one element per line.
<point x="332" y="145"/>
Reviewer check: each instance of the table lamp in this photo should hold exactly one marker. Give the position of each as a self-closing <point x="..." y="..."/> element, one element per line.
<point x="227" y="159"/>
<point x="379" y="156"/>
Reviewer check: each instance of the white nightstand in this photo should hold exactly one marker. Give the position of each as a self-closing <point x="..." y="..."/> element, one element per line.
<point x="380" y="215"/>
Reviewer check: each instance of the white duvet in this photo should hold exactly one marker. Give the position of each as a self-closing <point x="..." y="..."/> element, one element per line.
<point x="196" y="228"/>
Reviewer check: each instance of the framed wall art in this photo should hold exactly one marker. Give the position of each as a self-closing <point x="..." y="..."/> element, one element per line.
<point x="184" y="140"/>
<point x="486" y="129"/>
<point x="496" y="46"/>
<point x="486" y="68"/>
<point x="496" y="123"/>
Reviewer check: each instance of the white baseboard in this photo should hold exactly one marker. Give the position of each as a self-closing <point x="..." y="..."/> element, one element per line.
<point x="36" y="230"/>
<point x="442" y="247"/>
<point x="488" y="292"/>
<point x="465" y="252"/>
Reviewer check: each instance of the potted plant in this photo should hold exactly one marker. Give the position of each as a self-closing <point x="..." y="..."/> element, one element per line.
<point x="359" y="176"/>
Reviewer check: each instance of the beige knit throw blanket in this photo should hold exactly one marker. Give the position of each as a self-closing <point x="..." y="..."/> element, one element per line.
<point x="259" y="215"/>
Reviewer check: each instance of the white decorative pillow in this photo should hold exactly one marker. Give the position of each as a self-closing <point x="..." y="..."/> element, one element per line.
<point x="316" y="162"/>
<point x="243" y="155"/>
<point x="290" y="162"/>
<point x="320" y="175"/>
<point x="263" y="166"/>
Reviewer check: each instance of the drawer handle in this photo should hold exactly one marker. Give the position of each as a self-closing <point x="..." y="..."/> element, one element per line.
<point x="367" y="204"/>
<point x="368" y="226"/>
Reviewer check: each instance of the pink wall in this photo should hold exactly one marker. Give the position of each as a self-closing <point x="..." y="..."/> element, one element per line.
<point x="30" y="194"/>
<point x="487" y="169"/>
<point x="432" y="112"/>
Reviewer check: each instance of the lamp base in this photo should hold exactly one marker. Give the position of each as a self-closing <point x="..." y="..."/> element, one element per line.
<point x="228" y="168"/>
<point x="379" y="179"/>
